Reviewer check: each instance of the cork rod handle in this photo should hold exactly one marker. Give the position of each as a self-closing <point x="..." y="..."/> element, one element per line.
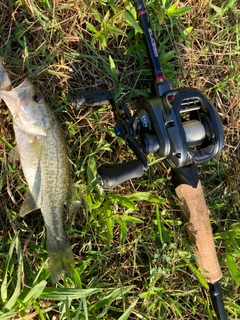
<point x="195" y="212"/>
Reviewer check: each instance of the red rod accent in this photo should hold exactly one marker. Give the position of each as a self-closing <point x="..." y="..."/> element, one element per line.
<point x="160" y="78"/>
<point x="143" y="12"/>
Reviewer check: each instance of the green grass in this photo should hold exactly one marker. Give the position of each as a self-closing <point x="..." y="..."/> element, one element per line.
<point x="133" y="258"/>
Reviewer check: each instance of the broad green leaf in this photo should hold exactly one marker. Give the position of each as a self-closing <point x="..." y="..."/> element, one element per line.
<point x="9" y="305"/>
<point x="118" y="12"/>
<point x="110" y="224"/>
<point x="85" y="308"/>
<point x="97" y="204"/>
<point x="91" y="169"/>
<point x="128" y="312"/>
<point x="173" y="11"/>
<point x="4" y="285"/>
<point x="172" y="8"/>
<point x="8" y="315"/>
<point x="147" y="294"/>
<point x="187" y="31"/>
<point x="132" y="22"/>
<point x="174" y="222"/>
<point x="42" y="18"/>
<point x="167" y="56"/>
<point x="115" y="30"/>
<point x="115" y="294"/>
<point x="35" y="292"/>
<point x="105" y="19"/>
<point x="107" y="210"/>
<point x="233" y="268"/>
<point x="130" y="49"/>
<point x="91" y="27"/>
<point x="159" y="224"/>
<point x="123" y="200"/>
<point x="123" y="228"/>
<point x="218" y="10"/>
<point x="195" y="270"/>
<point x="6" y="143"/>
<point x="113" y="69"/>
<point x="147" y="196"/>
<point x="131" y="9"/>
<point x="61" y="293"/>
<point x="164" y="3"/>
<point x="131" y="219"/>
<point x="102" y="38"/>
<point x="96" y="14"/>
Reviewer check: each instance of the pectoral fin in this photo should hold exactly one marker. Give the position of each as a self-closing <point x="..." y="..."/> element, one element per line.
<point x="29" y="204"/>
<point x="14" y="155"/>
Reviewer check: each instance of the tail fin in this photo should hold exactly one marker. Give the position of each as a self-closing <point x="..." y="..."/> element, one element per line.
<point x="60" y="257"/>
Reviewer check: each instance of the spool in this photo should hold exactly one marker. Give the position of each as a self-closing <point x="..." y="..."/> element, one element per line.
<point x="195" y="133"/>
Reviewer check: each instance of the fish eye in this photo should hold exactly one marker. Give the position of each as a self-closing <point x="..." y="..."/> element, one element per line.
<point x="37" y="97"/>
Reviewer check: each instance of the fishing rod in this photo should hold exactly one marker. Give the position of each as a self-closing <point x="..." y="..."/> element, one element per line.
<point x="182" y="126"/>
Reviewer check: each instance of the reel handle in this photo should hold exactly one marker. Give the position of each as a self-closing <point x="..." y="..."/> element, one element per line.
<point x="111" y="175"/>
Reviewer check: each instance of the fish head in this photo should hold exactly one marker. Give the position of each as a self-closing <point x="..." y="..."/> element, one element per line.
<point x="28" y="107"/>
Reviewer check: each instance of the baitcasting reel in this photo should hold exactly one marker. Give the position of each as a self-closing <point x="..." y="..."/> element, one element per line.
<point x="182" y="126"/>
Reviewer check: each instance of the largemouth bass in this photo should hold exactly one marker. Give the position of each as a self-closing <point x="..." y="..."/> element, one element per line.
<point x="46" y="167"/>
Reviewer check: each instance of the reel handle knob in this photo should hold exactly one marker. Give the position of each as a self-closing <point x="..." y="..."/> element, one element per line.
<point x="84" y="99"/>
<point x="111" y="175"/>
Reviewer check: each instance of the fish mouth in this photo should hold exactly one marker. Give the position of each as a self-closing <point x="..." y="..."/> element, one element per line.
<point x="17" y="96"/>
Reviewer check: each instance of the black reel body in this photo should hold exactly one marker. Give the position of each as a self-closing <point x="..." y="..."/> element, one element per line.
<point x="182" y="126"/>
